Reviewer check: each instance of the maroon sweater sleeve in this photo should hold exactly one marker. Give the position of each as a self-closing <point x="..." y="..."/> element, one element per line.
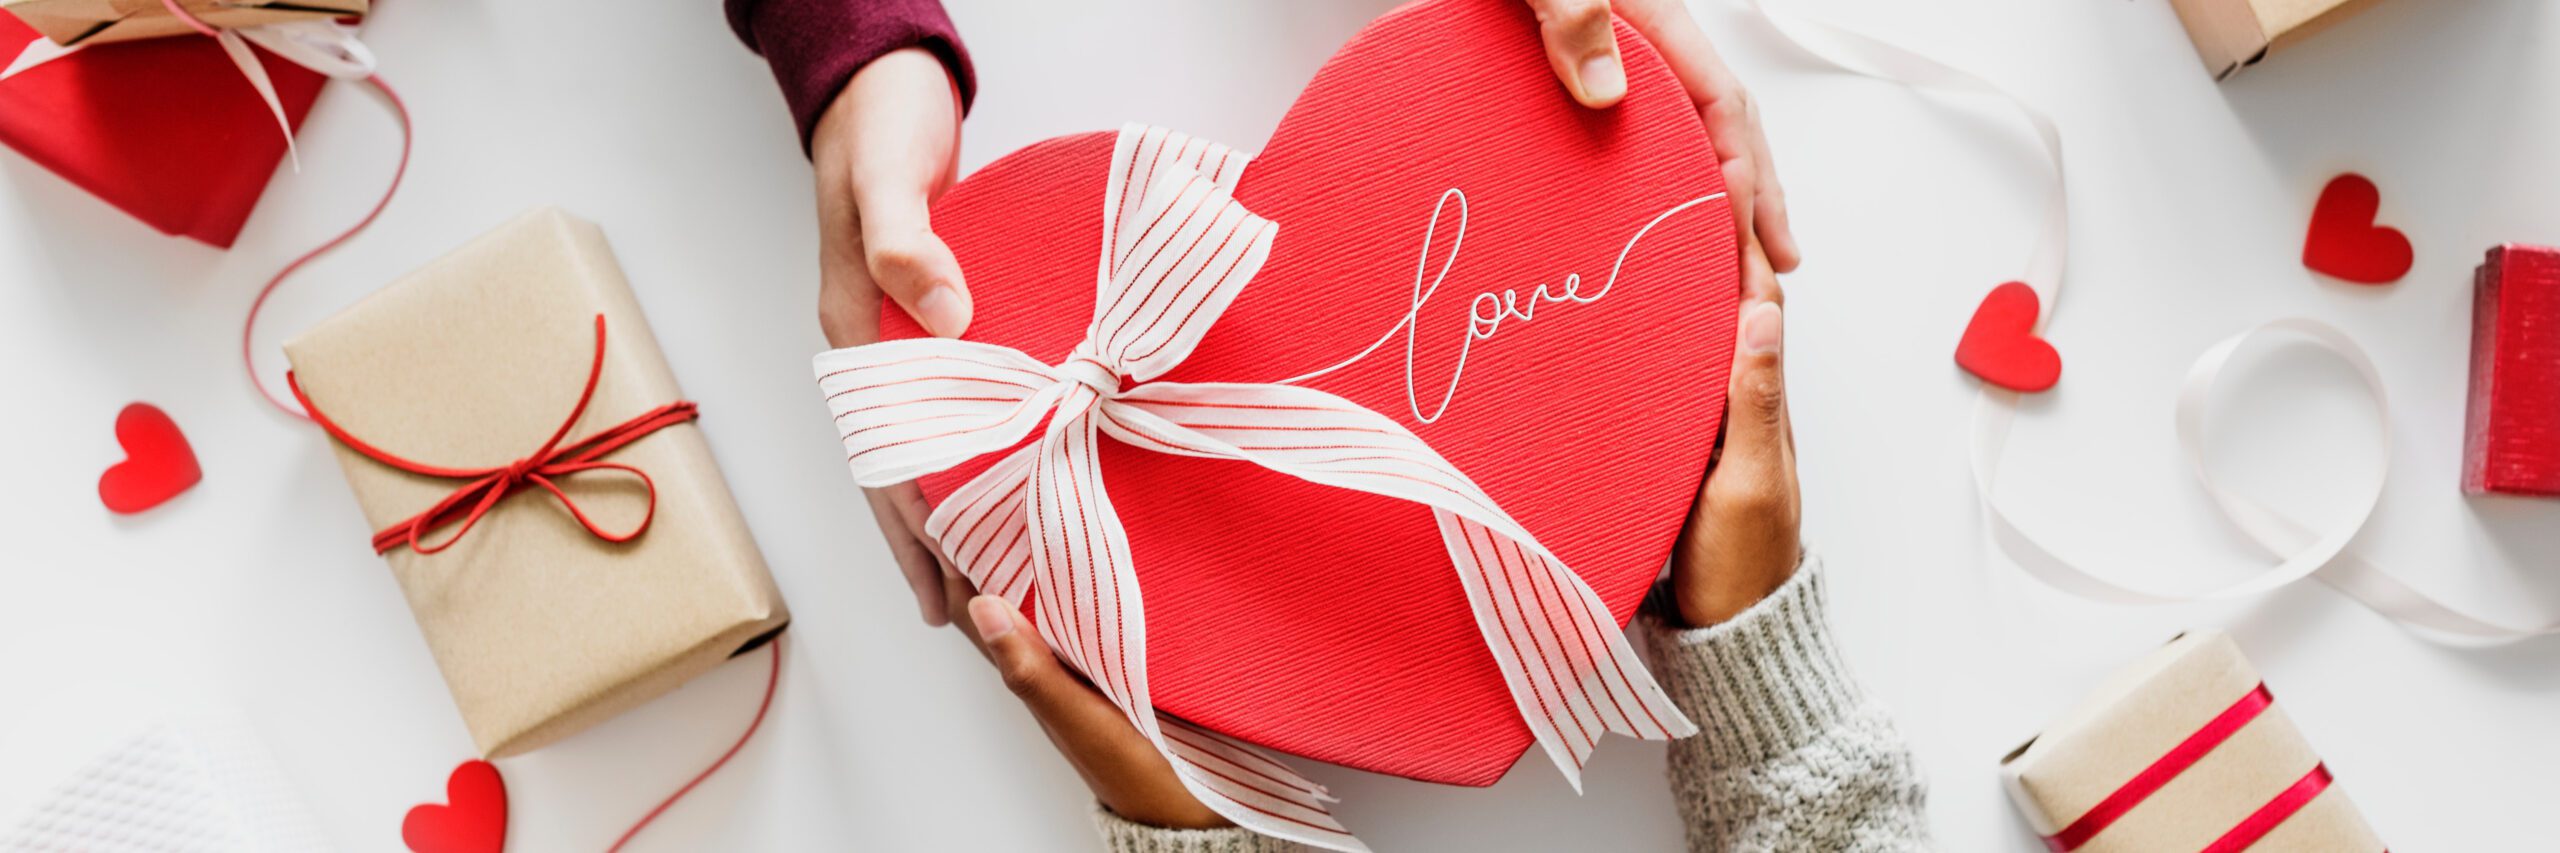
<point x="815" y="46"/>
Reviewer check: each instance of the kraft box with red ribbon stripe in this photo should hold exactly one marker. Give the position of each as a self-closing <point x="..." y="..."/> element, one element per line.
<point x="2184" y="750"/>
<point x="164" y="129"/>
<point x="2512" y="441"/>
<point x="536" y="482"/>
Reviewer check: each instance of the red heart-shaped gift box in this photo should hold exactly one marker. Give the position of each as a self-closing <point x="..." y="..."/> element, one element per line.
<point x="1330" y="623"/>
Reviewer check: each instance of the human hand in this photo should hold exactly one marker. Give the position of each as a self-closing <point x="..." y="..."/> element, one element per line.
<point x="1584" y="52"/>
<point x="1742" y="538"/>
<point x="1124" y="770"/>
<point x="884" y="149"/>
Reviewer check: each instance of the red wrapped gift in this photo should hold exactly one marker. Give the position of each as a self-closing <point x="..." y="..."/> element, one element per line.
<point x="2512" y="442"/>
<point x="164" y="129"/>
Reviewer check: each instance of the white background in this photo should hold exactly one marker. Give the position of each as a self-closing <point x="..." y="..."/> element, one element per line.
<point x="255" y="590"/>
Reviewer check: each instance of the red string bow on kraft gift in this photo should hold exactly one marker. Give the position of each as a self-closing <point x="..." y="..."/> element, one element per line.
<point x="543" y="468"/>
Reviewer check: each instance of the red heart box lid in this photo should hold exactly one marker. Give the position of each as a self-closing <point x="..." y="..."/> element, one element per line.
<point x="1329" y="623"/>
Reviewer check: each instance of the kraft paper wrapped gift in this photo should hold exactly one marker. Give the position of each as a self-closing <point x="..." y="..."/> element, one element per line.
<point x="540" y="626"/>
<point x="2183" y="750"/>
<point x="2233" y="34"/>
<point x="72" y="22"/>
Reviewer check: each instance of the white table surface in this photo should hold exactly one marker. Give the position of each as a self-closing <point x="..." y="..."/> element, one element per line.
<point x="255" y="589"/>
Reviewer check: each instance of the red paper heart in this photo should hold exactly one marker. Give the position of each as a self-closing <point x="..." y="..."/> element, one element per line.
<point x="476" y="820"/>
<point x="1329" y="623"/>
<point x="2001" y="346"/>
<point x="2344" y="241"/>
<point x="158" y="464"/>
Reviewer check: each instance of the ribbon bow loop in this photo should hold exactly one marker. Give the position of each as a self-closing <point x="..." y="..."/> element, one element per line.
<point x="1176" y="250"/>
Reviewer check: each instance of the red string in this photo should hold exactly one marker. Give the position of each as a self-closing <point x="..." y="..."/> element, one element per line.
<point x="189" y="18"/>
<point x="249" y="327"/>
<point x="771" y="681"/>
<point x="542" y="468"/>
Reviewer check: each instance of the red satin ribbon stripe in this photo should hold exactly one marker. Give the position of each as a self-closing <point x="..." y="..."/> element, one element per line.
<point x="2177" y="761"/>
<point x="542" y="468"/>
<point x="2268" y="816"/>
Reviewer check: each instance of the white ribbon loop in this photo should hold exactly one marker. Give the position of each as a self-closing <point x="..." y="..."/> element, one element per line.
<point x="2300" y="550"/>
<point x="1176" y="251"/>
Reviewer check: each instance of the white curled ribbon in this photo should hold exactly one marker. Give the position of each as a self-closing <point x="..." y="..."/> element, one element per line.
<point x="2300" y="550"/>
<point x="1176" y="251"/>
<point x="322" y="45"/>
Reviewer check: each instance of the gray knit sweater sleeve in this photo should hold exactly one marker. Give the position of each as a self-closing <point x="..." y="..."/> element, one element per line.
<point x="1792" y="756"/>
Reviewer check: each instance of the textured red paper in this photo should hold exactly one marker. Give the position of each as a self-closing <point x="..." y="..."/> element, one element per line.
<point x="1328" y="623"/>
<point x="2512" y="440"/>
<point x="165" y="129"/>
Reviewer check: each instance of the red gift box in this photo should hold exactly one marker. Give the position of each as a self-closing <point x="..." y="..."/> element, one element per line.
<point x="165" y="129"/>
<point x="2512" y="442"/>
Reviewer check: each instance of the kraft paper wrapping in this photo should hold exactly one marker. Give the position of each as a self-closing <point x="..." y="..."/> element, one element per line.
<point x="541" y="629"/>
<point x="2231" y="34"/>
<point x="69" y="22"/>
<point x="2142" y="712"/>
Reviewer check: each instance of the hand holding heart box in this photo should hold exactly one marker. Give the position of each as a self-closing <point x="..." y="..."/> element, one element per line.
<point x="1545" y="294"/>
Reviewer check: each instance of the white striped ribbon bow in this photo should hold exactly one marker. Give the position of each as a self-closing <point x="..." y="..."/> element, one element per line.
<point x="1177" y="249"/>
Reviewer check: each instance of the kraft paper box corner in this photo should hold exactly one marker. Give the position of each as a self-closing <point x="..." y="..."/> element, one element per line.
<point x="2233" y="34"/>
<point x="539" y="627"/>
<point x="75" y="22"/>
<point x="2145" y="712"/>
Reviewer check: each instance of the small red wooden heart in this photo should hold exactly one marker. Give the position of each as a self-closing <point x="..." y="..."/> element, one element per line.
<point x="474" y="822"/>
<point x="158" y="464"/>
<point x="1329" y="623"/>
<point x="2344" y="241"/>
<point x="2001" y="346"/>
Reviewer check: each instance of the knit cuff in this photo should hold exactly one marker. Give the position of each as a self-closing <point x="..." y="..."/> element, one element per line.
<point x="1120" y="835"/>
<point x="1763" y="683"/>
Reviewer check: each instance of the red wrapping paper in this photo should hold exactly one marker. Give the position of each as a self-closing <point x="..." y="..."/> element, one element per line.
<point x="2512" y="442"/>
<point x="164" y="129"/>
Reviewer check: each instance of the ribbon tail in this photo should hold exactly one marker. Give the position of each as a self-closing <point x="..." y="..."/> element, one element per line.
<point x="1251" y="787"/>
<point x="1571" y="670"/>
<point x="1091" y="613"/>
<point x="984" y="528"/>
<point x="256" y="72"/>
<point x="37" y="52"/>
